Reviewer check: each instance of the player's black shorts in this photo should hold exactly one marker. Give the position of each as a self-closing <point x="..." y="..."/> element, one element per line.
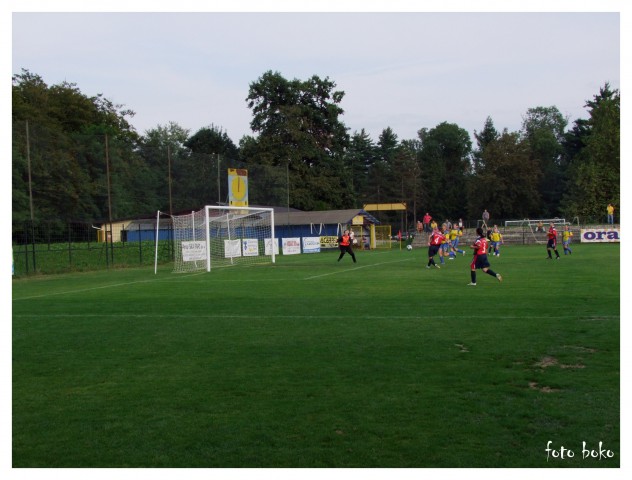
<point x="432" y="250"/>
<point x="551" y="243"/>
<point x="480" y="261"/>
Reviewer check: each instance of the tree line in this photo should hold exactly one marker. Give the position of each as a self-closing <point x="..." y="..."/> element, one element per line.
<point x="79" y="158"/>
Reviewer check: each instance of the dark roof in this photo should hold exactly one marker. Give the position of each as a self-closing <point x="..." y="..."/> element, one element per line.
<point x="326" y="217"/>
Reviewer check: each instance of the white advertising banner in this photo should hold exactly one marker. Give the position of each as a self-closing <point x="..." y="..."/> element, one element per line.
<point x="600" y="235"/>
<point x="311" y="244"/>
<point x="193" y="251"/>
<point x="291" y="246"/>
<point x="270" y="244"/>
<point x="232" y="248"/>
<point x="250" y="247"/>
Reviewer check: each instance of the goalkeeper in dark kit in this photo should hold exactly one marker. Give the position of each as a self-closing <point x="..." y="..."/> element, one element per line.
<point x="344" y="243"/>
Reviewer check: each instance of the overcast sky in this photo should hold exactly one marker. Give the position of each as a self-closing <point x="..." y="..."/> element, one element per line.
<point x="406" y="71"/>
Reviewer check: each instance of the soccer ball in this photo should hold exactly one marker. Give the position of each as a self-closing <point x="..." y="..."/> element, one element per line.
<point x="409" y="247"/>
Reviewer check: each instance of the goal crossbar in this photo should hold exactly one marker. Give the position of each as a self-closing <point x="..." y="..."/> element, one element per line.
<point x="218" y="236"/>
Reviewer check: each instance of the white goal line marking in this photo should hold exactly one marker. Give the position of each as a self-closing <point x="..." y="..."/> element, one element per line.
<point x="298" y="317"/>
<point x="355" y="268"/>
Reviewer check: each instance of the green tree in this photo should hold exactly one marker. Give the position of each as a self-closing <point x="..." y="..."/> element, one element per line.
<point x="201" y="175"/>
<point x="445" y="163"/>
<point x="483" y="138"/>
<point x="383" y="184"/>
<point x="507" y="183"/>
<point x="298" y="126"/>
<point x="408" y="164"/>
<point x="544" y="128"/>
<point x="359" y="157"/>
<point x="66" y="148"/>
<point x="162" y="148"/>
<point x="594" y="171"/>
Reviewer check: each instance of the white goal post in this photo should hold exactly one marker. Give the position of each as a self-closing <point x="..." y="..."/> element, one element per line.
<point x="533" y="225"/>
<point x="219" y="236"/>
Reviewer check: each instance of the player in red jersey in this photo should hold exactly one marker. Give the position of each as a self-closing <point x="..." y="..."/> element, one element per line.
<point x="552" y="243"/>
<point x="435" y="240"/>
<point x="480" y="258"/>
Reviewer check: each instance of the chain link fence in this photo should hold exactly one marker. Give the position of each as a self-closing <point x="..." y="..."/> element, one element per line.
<point x="49" y="247"/>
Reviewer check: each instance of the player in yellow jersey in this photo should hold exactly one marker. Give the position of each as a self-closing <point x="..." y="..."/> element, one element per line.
<point x="566" y="240"/>
<point x="496" y="240"/>
<point x="454" y="235"/>
<point x="444" y="251"/>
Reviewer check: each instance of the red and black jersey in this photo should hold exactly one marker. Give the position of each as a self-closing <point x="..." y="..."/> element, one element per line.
<point x="552" y="234"/>
<point x="437" y="238"/>
<point x="480" y="246"/>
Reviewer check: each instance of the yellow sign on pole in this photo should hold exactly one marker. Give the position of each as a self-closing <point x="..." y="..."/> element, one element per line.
<point x="237" y="187"/>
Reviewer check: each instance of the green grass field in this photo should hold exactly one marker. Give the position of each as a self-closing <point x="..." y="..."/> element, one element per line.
<point x="314" y="363"/>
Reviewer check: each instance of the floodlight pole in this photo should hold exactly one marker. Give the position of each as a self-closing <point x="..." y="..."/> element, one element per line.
<point x="156" y="244"/>
<point x="169" y="177"/>
<point x="107" y="171"/>
<point x="28" y="163"/>
<point x="287" y="171"/>
<point x="219" y="182"/>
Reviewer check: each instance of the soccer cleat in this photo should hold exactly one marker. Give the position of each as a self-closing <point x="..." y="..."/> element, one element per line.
<point x="437" y="265"/>
<point x="471" y="284"/>
<point x="499" y="277"/>
<point x="557" y="258"/>
<point x="427" y="266"/>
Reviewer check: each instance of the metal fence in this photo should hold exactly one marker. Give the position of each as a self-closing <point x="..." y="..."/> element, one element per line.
<point x="59" y="247"/>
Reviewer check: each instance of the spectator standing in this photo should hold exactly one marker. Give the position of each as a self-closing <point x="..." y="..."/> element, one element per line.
<point x="610" y="210"/>
<point x="486" y="218"/>
<point x="426" y="220"/>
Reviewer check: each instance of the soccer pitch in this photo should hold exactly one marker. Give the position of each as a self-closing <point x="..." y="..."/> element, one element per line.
<point x="316" y="363"/>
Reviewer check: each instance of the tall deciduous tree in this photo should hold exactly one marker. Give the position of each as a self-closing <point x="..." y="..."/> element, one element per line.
<point x="66" y="146"/>
<point x="445" y="162"/>
<point x="298" y="126"/>
<point x="544" y="128"/>
<point x="507" y="184"/>
<point x="163" y="149"/>
<point x="595" y="171"/>
<point x="201" y="175"/>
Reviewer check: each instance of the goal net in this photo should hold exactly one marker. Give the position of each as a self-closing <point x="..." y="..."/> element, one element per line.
<point x="223" y="236"/>
<point x="534" y="226"/>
